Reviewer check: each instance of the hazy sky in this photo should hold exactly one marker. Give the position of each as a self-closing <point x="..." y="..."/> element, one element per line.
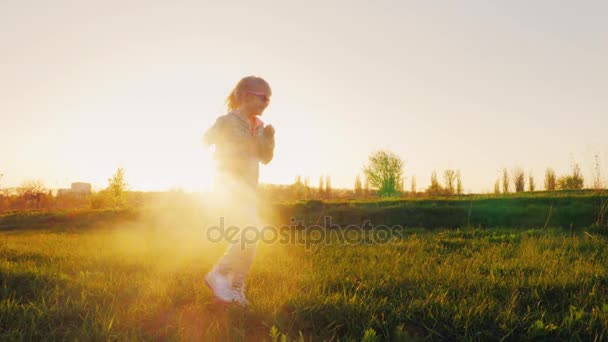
<point x="89" y="86"/>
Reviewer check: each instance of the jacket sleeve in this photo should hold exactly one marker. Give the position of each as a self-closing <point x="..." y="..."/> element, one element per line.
<point x="266" y="148"/>
<point x="212" y="134"/>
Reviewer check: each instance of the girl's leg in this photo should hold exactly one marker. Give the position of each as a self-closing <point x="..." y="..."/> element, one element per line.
<point x="234" y="265"/>
<point x="239" y="257"/>
<point x="237" y="260"/>
<point x="239" y="210"/>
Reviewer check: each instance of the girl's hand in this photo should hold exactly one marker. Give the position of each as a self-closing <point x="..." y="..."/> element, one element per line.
<point x="268" y="130"/>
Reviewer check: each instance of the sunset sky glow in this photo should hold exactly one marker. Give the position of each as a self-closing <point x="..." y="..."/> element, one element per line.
<point x="90" y="86"/>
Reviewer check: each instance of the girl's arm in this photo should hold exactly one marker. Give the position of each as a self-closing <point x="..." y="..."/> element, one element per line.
<point x="266" y="145"/>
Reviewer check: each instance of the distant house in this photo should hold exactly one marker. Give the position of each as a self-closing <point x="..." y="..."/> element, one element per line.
<point x="78" y="188"/>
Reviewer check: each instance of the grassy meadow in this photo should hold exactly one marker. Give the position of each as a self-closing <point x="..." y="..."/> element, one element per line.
<point x="138" y="275"/>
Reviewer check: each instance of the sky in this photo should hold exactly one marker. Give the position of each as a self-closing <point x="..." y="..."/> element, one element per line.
<point x="90" y="86"/>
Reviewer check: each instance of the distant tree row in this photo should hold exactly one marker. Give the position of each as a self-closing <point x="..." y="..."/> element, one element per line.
<point x="452" y="183"/>
<point x="33" y="195"/>
<point x="383" y="175"/>
<point x="572" y="181"/>
<point x="303" y="189"/>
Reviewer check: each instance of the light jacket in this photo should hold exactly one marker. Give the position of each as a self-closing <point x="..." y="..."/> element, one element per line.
<point x="239" y="148"/>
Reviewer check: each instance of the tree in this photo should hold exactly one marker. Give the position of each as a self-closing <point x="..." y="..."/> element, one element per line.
<point x="549" y="179"/>
<point x="497" y="187"/>
<point x="597" y="180"/>
<point x="101" y="199"/>
<point x="117" y="188"/>
<point x="358" y="186"/>
<point x="531" y="183"/>
<point x="505" y="181"/>
<point x="307" y="190"/>
<point x="327" y="186"/>
<point x="321" y="190"/>
<point x="31" y="188"/>
<point x="574" y="181"/>
<point x="435" y="188"/>
<point x="298" y="188"/>
<point x="449" y="177"/>
<point x="413" y="189"/>
<point x="458" y="183"/>
<point x="519" y="179"/>
<point x="32" y="192"/>
<point x="384" y="172"/>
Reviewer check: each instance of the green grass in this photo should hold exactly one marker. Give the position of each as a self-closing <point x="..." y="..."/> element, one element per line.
<point x="524" y="210"/>
<point x="132" y="276"/>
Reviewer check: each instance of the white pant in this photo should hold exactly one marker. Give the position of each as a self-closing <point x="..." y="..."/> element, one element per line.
<point x="238" y="206"/>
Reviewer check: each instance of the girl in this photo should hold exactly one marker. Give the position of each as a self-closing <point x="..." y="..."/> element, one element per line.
<point x="241" y="141"/>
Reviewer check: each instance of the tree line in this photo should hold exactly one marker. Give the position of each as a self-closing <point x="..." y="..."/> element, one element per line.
<point x="571" y="181"/>
<point x="33" y="195"/>
<point x="384" y="176"/>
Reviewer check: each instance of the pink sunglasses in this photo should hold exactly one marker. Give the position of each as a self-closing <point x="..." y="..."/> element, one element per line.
<point x="261" y="96"/>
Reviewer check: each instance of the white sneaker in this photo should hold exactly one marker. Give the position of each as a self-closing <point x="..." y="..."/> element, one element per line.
<point x="221" y="286"/>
